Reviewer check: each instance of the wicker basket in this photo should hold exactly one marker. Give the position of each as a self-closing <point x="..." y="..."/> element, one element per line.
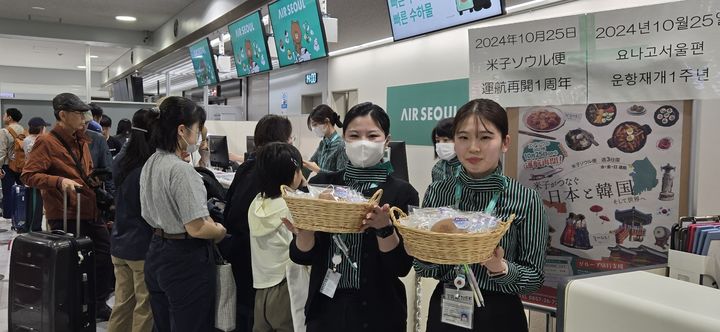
<point x="328" y="216"/>
<point x="446" y="248"/>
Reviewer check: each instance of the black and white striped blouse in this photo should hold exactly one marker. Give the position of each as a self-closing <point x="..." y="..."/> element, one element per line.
<point x="524" y="243"/>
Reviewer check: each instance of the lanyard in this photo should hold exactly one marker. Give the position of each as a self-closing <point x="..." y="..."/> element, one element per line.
<point x="490" y="209"/>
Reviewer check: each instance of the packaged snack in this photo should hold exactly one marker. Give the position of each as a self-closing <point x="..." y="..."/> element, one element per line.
<point x="448" y="220"/>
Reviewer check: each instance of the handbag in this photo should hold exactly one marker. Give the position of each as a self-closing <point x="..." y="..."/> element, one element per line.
<point x="225" y="294"/>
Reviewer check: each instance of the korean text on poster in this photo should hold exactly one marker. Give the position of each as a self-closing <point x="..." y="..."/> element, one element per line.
<point x="656" y="52"/>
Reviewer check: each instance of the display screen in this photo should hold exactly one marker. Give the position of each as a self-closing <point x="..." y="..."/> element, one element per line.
<point x="298" y="30"/>
<point x="311" y="78"/>
<point x="249" y="44"/>
<point x="410" y="18"/>
<point x="203" y="63"/>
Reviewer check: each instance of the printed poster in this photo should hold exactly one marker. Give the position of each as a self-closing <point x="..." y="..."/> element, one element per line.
<point x="608" y="175"/>
<point x="298" y="31"/>
<point x="249" y="45"/>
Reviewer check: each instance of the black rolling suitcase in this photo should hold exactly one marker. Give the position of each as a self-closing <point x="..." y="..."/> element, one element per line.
<point x="52" y="281"/>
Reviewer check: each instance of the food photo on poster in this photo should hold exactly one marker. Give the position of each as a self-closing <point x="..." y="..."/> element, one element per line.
<point x="606" y="173"/>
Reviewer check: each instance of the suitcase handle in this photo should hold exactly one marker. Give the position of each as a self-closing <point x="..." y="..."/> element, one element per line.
<point x="65" y="210"/>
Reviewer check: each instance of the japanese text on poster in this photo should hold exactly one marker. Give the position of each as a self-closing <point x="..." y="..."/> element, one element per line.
<point x="534" y="63"/>
<point x="608" y="175"/>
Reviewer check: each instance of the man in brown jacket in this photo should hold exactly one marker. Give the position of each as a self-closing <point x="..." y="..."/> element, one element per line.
<point x="52" y="168"/>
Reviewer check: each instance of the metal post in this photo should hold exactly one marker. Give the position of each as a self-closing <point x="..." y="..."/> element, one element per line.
<point x="206" y="97"/>
<point x="167" y="84"/>
<point x="88" y="73"/>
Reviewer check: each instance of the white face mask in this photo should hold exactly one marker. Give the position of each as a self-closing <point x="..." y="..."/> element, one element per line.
<point x="365" y="153"/>
<point x="445" y="151"/>
<point x="192" y="148"/>
<point x="319" y="131"/>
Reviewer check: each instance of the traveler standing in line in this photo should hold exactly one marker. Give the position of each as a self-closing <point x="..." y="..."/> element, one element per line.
<point x="122" y="133"/>
<point x="444" y="150"/>
<point x="180" y="264"/>
<point x="481" y="138"/>
<point x="131" y="235"/>
<point x="242" y="191"/>
<point x="278" y="164"/>
<point x="369" y="294"/>
<point x="330" y="155"/>
<point x="12" y="131"/>
<point x="60" y="161"/>
<point x="36" y="128"/>
<point x="113" y="143"/>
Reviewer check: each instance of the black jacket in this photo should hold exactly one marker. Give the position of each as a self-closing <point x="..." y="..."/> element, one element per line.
<point x="382" y="292"/>
<point x="131" y="235"/>
<point x="241" y="193"/>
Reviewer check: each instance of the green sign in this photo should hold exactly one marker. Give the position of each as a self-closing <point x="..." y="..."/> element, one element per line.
<point x="249" y="45"/>
<point x="415" y="109"/>
<point x="204" y="63"/>
<point x="298" y="31"/>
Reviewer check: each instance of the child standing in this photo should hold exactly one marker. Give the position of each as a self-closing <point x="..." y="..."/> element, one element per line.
<point x="277" y="164"/>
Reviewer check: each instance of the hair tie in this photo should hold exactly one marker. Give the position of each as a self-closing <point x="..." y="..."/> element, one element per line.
<point x="139" y="129"/>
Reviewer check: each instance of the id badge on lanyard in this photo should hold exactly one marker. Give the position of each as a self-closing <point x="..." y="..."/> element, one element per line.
<point x="457" y="302"/>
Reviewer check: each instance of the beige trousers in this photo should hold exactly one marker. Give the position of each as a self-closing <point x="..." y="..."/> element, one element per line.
<point x="132" y="301"/>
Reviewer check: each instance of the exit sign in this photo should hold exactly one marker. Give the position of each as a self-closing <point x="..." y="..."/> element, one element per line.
<point x="311" y="78"/>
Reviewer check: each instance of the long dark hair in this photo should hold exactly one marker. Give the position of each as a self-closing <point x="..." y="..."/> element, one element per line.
<point x="324" y="112"/>
<point x="138" y="148"/>
<point x="175" y="111"/>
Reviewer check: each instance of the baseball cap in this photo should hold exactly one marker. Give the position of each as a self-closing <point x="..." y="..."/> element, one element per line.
<point x="37" y="122"/>
<point x="69" y="102"/>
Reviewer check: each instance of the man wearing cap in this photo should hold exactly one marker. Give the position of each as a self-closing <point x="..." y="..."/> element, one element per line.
<point x="9" y="177"/>
<point x="52" y="168"/>
<point x="36" y="127"/>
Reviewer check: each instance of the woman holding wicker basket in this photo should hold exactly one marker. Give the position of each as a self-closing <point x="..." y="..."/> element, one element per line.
<point x="516" y="267"/>
<point x="354" y="283"/>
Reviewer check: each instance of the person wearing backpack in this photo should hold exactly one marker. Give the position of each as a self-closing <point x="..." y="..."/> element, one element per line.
<point x="12" y="157"/>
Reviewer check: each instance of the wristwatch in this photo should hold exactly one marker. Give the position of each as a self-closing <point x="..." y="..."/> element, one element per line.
<point x="385" y="231"/>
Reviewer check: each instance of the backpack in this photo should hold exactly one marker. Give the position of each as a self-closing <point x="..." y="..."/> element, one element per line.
<point x="17" y="162"/>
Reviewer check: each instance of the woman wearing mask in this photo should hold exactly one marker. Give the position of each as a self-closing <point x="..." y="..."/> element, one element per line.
<point x="180" y="264"/>
<point x="130" y="236"/>
<point x="444" y="150"/>
<point x="330" y="155"/>
<point x="369" y="295"/>
<point x="481" y="137"/>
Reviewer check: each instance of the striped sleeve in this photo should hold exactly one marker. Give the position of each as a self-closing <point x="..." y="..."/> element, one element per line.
<point x="525" y="269"/>
<point x="438" y="172"/>
<point x="341" y="158"/>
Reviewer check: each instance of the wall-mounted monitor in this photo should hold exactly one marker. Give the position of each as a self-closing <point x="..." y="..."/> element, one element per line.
<point x="249" y="43"/>
<point x="204" y="63"/>
<point x="413" y="18"/>
<point x="298" y="31"/>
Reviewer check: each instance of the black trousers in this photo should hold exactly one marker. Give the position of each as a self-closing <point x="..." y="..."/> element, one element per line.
<point x="502" y="312"/>
<point x="104" y="270"/>
<point x="346" y="312"/>
<point x="10" y="179"/>
<point x="34" y="212"/>
<point x="180" y="277"/>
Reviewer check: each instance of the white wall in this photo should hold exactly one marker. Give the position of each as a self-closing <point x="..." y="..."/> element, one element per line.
<point x="706" y="180"/>
<point x="291" y="81"/>
<point x="44" y="84"/>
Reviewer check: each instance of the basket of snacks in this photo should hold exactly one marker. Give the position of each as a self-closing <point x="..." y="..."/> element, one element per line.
<point x="448" y="236"/>
<point x="332" y="209"/>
